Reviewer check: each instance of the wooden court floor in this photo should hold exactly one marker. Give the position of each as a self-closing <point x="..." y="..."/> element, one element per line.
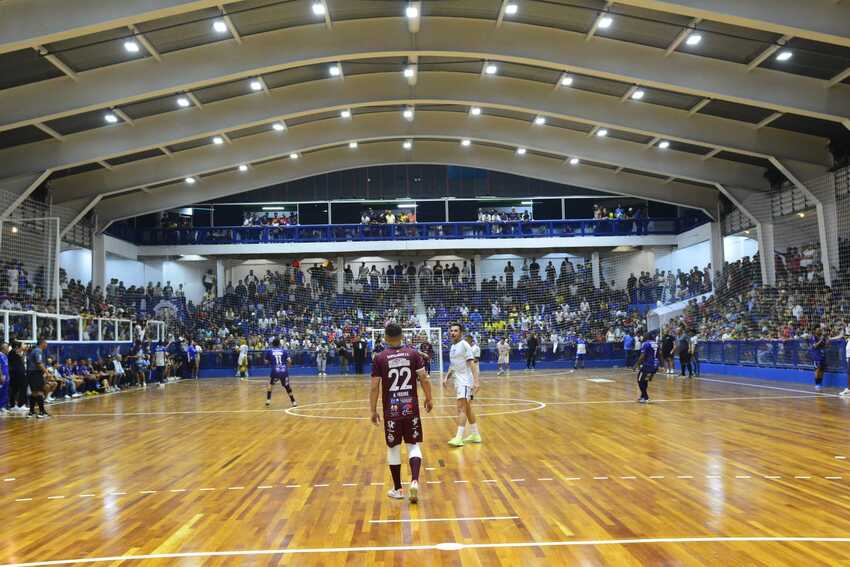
<point x="716" y="471"/>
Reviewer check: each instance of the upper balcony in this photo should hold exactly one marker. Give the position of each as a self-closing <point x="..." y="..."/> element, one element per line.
<point x="424" y="235"/>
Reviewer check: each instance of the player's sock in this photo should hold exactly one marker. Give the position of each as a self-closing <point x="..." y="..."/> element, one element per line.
<point x="40" y="402"/>
<point x="643" y="384"/>
<point x="291" y="397"/>
<point x="473" y="429"/>
<point x="268" y="395"/>
<point x="415" y="463"/>
<point x="395" y="470"/>
<point x="459" y="432"/>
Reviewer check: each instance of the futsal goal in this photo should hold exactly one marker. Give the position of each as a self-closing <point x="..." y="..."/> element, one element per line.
<point x="413" y="337"/>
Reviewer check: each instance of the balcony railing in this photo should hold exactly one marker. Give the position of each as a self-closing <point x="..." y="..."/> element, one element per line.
<point x="413" y="231"/>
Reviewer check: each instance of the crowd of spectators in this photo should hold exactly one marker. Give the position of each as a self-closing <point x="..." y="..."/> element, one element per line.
<point x="494" y="215"/>
<point x="270" y="219"/>
<point x="618" y="213"/>
<point x="388" y="216"/>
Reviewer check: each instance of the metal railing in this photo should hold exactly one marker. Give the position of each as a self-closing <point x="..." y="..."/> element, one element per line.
<point x="412" y="231"/>
<point x="29" y="326"/>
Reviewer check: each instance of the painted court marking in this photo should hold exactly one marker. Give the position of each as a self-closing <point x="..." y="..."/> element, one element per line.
<point x="329" y="406"/>
<point x="464" y="519"/>
<point x="443" y="546"/>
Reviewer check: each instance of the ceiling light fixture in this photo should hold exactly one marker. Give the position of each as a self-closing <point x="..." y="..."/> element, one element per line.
<point x="412" y="12"/>
<point x="111" y="118"/>
<point x="407" y="145"/>
<point x="664" y="145"/>
<point x="491" y="69"/>
<point x="278" y="127"/>
<point x="319" y="8"/>
<point x="694" y="39"/>
<point x="218" y="140"/>
<point x="638" y="94"/>
<point x="566" y="80"/>
<point x="605" y="22"/>
<point x="190" y="180"/>
<point x="408" y="114"/>
<point x="219" y="26"/>
<point x="574" y="161"/>
<point x="183" y="102"/>
<point x="345" y="113"/>
<point x="601" y="133"/>
<point x="335" y="71"/>
<point x="540" y="120"/>
<point x="131" y="46"/>
<point x="466" y="142"/>
<point x="410" y="71"/>
<point x="352" y="145"/>
<point x="243" y="168"/>
<point x="511" y="9"/>
<point x="256" y="85"/>
<point x="293" y="155"/>
<point x="784" y="55"/>
<point x="521" y="151"/>
<point x="475" y="111"/>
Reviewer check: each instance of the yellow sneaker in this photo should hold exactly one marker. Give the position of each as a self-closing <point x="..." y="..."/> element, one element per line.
<point x="456" y="442"/>
<point x="472" y="438"/>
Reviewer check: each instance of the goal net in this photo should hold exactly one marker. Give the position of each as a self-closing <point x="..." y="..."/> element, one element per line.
<point x="415" y="337"/>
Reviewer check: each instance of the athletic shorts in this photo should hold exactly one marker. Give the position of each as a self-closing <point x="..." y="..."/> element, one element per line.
<point x="283" y="378"/>
<point x="35" y="380"/>
<point x="820" y="364"/>
<point x="408" y="430"/>
<point x="463" y="392"/>
<point x="503" y="360"/>
<point x="647" y="373"/>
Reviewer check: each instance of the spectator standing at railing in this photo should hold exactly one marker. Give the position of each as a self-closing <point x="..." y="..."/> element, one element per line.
<point x="17" y="378"/>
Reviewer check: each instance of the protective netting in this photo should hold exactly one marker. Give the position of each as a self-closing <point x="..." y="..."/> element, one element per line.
<point x="29" y="280"/>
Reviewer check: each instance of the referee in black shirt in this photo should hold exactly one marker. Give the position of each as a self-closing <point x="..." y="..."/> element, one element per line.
<point x="35" y="378"/>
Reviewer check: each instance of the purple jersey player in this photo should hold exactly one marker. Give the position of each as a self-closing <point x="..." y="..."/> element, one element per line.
<point x="648" y="366"/>
<point x="279" y="361"/>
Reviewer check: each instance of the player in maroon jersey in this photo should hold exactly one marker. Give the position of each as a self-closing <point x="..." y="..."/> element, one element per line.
<point x="426" y="350"/>
<point x="395" y="371"/>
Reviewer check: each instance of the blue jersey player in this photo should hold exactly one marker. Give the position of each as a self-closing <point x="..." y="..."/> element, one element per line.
<point x="647" y="365"/>
<point x="818" y="354"/>
<point x="279" y="361"/>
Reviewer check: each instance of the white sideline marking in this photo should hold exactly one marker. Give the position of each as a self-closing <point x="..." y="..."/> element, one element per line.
<point x="12" y="479"/>
<point x="149" y="491"/>
<point x="771" y="477"/>
<point x="684" y="476"/>
<point x="839" y="457"/>
<point x="743" y="476"/>
<point x="573" y="478"/>
<point x="434" y="481"/>
<point x="239" y="487"/>
<point x="656" y="477"/>
<point x="293" y="486"/>
<point x="832" y="477"/>
<point x="320" y="485"/>
<point x="206" y="489"/>
<point x="600" y="478"/>
<point x="461" y="482"/>
<point x="463" y="519"/>
<point x="628" y="477"/>
<point x="444" y="546"/>
<point x="489" y="480"/>
<point x="55" y="497"/>
<point x="263" y="486"/>
<point x="177" y="490"/>
<point x="117" y="494"/>
<point x="377" y="484"/>
<point x="544" y="479"/>
<point x="769" y="387"/>
<point x="803" y="477"/>
<point x="712" y="476"/>
<point x="86" y="495"/>
<point x="517" y="480"/>
<point x="350" y="484"/>
<point x="22" y="499"/>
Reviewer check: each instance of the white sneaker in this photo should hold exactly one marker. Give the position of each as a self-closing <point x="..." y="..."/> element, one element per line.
<point x="268" y="403"/>
<point x="76" y="395"/>
<point x="413" y="491"/>
<point x="397" y="494"/>
<point x="67" y="397"/>
<point x="845" y="392"/>
<point x="49" y="399"/>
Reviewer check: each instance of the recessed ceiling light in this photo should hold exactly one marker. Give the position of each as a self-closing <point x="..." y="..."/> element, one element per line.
<point x="220" y="26"/>
<point x="243" y="168"/>
<point x="218" y="140"/>
<point x="293" y="155"/>
<point x="638" y="94"/>
<point x="408" y="114"/>
<point x="407" y="144"/>
<point x="319" y="8"/>
<point x="111" y="118"/>
<point x="491" y="69"/>
<point x="345" y="113"/>
<point x="566" y="80"/>
<point x="605" y="22"/>
<point x="190" y="180"/>
<point x="335" y="71"/>
<point x="183" y="102"/>
<point x="520" y="151"/>
<point x="511" y="9"/>
<point x="784" y="55"/>
<point x="664" y="145"/>
<point x="540" y="120"/>
<point x="278" y="126"/>
<point x="411" y="12"/>
<point x="352" y="145"/>
<point x="465" y="142"/>
<point x="256" y="85"/>
<point x="694" y="39"/>
<point x="475" y="111"/>
<point x="131" y="46"/>
<point x="574" y="161"/>
<point x="410" y="71"/>
<point x="601" y="133"/>
<point x="802" y="215"/>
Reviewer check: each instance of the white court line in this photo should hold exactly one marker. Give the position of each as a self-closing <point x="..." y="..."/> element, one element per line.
<point x="323" y="485"/>
<point x="377" y="484"/>
<point x="446" y="546"/>
<point x="517" y="480"/>
<point x="600" y="478"/>
<point x="489" y="480"/>
<point x="86" y="495"/>
<point x="839" y="457"/>
<point x="573" y="478"/>
<point x="262" y="486"/>
<point x="461" y="482"/>
<point x="349" y="484"/>
<point x="235" y="488"/>
<point x="149" y="491"/>
<point x="434" y="482"/>
<point x="743" y="476"/>
<point x="772" y="477"/>
<point x="177" y="490"/>
<point x="22" y="499"/>
<point x="293" y="486"/>
<point x="803" y="477"/>
<point x="656" y="400"/>
<point x="820" y="394"/>
<point x="12" y="479"/>
<point x="832" y="477"/>
<point x="656" y="477"/>
<point x="117" y="494"/>
<point x="544" y="479"/>
<point x="628" y="477"/>
<point x="465" y="519"/>
<point x="55" y="497"/>
<point x="684" y="476"/>
<point x="206" y="489"/>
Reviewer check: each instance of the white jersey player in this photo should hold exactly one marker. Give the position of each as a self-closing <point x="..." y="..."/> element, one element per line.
<point x="464" y="370"/>
<point x="503" y="348"/>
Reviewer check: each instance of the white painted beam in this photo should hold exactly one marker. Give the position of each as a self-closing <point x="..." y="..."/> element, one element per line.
<point x="20" y="188"/>
<point x="58" y="63"/>
<point x="49" y="131"/>
<point x="433" y="88"/>
<point x="82" y="207"/>
<point x="426" y="152"/>
<point x="29" y="23"/>
<point x="839" y="78"/>
<point x="447" y="37"/>
<point x="768" y="51"/>
<point x="427" y="125"/>
<point x="149" y="47"/>
<point x="235" y="32"/>
<point x="677" y="41"/>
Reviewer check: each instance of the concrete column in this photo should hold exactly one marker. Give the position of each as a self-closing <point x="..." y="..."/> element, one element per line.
<point x="220" y="284"/>
<point x="340" y="274"/>
<point x="476" y="259"/>
<point x="717" y="253"/>
<point x="827" y="212"/>
<point x="766" y="253"/>
<point x="98" y="260"/>
<point x="595" y="270"/>
<point x="446" y="203"/>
